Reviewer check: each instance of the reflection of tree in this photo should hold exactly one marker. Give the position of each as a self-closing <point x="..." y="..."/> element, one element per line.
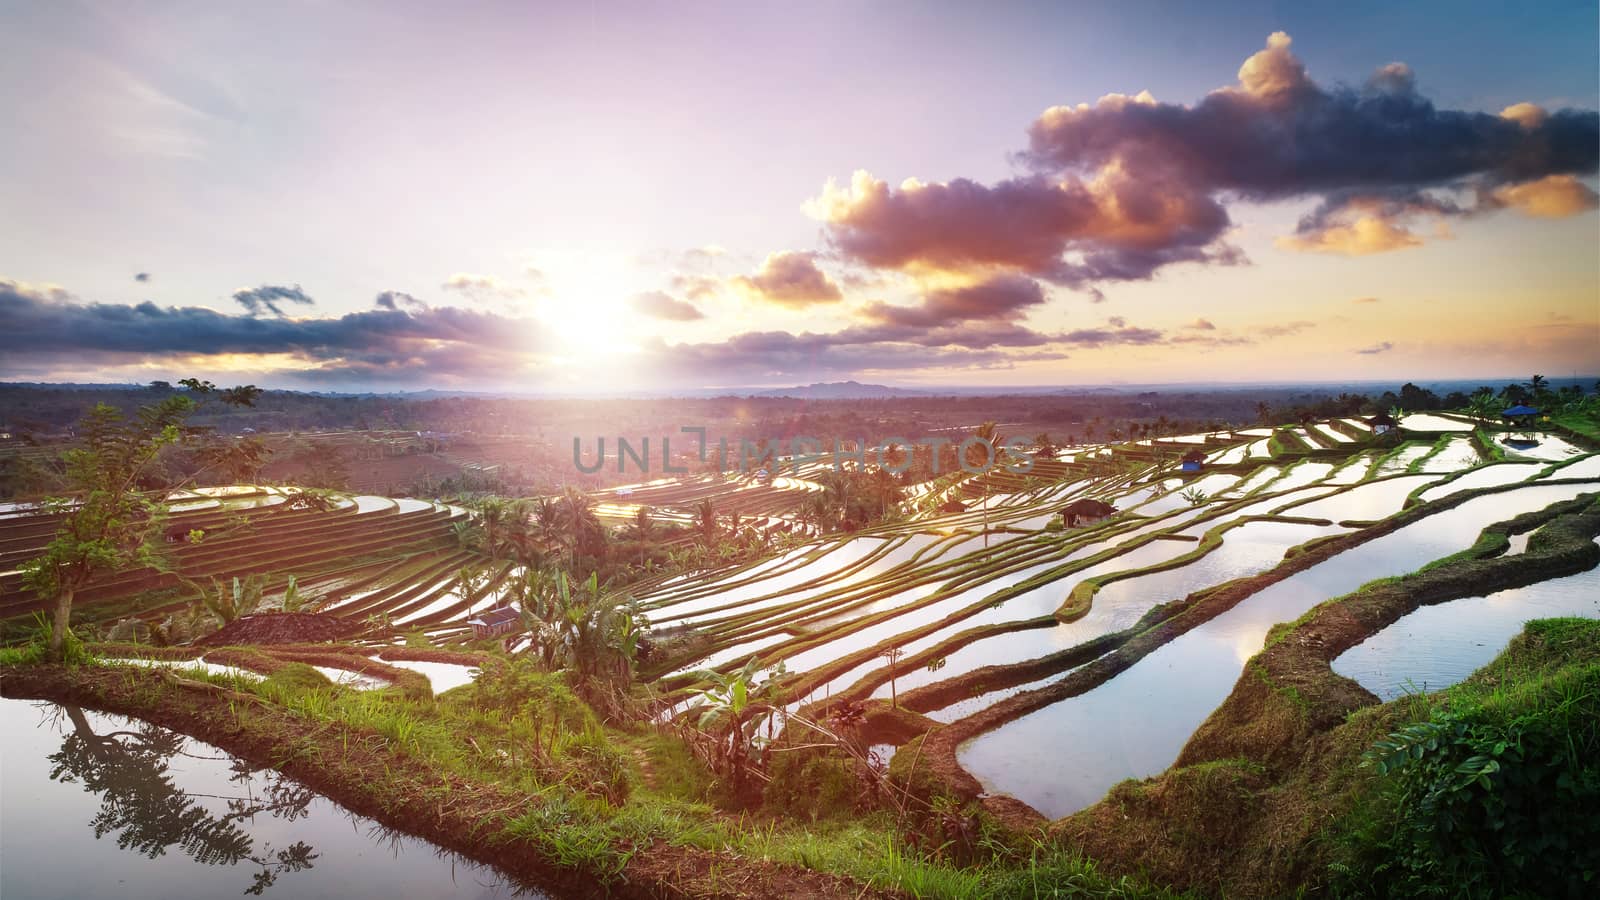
<point x="149" y="813"/>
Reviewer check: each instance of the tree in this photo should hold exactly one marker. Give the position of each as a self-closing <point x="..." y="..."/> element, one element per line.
<point x="643" y="530"/>
<point x="107" y="523"/>
<point x="705" y="520"/>
<point x="1539" y="387"/>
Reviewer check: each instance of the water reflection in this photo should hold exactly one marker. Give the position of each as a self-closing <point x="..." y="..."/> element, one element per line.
<point x="130" y="770"/>
<point x="101" y="806"/>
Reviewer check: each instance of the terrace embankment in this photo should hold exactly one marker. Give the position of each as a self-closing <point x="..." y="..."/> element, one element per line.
<point x="938" y="753"/>
<point x="1257" y="797"/>
<point x="361" y="770"/>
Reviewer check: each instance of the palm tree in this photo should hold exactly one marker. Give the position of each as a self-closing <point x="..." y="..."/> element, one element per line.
<point x="1263" y="412"/>
<point x="1539" y="387"/>
<point x="705" y="520"/>
<point x="990" y="433"/>
<point x="579" y="525"/>
<point x="894" y="456"/>
<point x="493" y="513"/>
<point x="643" y="530"/>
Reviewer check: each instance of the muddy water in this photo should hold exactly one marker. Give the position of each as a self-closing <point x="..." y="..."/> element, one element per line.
<point x="100" y="806"/>
<point x="1064" y="757"/>
<point x="1434" y="647"/>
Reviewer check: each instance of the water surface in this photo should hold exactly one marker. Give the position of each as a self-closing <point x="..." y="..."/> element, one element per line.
<point x="102" y="806"/>
<point x="1434" y="647"/>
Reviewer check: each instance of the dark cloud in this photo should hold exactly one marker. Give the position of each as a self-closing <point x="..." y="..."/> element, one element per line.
<point x="393" y="300"/>
<point x="1376" y="155"/>
<point x="1004" y="298"/>
<point x="1128" y="186"/>
<point x="142" y="277"/>
<point x="789" y="278"/>
<point x="267" y="297"/>
<point x="448" y="342"/>
<point x="1065" y="231"/>
<point x="664" y="306"/>
<point x="774" y="354"/>
<point x="1380" y="347"/>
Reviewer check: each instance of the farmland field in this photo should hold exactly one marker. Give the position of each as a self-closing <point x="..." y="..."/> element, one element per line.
<point x="1033" y="666"/>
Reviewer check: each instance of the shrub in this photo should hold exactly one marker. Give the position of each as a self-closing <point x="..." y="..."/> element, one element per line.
<point x="590" y="764"/>
<point x="518" y="687"/>
<point x="1492" y="800"/>
<point x="814" y="785"/>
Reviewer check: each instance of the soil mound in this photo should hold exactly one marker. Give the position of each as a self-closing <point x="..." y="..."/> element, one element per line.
<point x="280" y="628"/>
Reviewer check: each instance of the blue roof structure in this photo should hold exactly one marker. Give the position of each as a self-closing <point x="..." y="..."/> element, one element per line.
<point x="1520" y="410"/>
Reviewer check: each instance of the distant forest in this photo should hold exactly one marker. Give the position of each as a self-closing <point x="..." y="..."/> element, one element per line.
<point x="49" y="411"/>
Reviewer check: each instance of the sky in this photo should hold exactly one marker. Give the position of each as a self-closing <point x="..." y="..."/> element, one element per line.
<point x="619" y="197"/>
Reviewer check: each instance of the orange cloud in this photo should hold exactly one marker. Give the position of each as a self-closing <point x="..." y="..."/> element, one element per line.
<point x="1551" y="197"/>
<point x="788" y="278"/>
<point x="1358" y="234"/>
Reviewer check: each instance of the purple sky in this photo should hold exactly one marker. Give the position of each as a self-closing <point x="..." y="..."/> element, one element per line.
<point x="612" y="197"/>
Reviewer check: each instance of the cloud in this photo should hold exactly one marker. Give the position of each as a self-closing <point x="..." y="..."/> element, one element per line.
<point x="268" y="296"/>
<point x="1377" y="156"/>
<point x="1550" y="197"/>
<point x="1201" y="325"/>
<point x="1380" y="347"/>
<point x="754" y="356"/>
<point x="1367" y="300"/>
<point x="1357" y="235"/>
<point x="1070" y="232"/>
<point x="39" y="324"/>
<point x="663" y="306"/>
<point x="788" y="278"/>
<point x="142" y="277"/>
<point x="1528" y="115"/>
<point x="483" y="288"/>
<point x="696" y="287"/>
<point x="1003" y="298"/>
<point x="1285" y="329"/>
<point x="395" y="299"/>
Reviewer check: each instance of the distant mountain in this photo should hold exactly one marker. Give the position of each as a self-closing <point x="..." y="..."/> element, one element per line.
<point x="841" y="390"/>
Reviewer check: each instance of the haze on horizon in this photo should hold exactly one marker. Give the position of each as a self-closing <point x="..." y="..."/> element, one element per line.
<point x="519" y="196"/>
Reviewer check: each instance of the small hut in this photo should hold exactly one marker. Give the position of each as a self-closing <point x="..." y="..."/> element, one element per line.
<point x="1521" y="417"/>
<point x="1194" y="462"/>
<point x="497" y="622"/>
<point x="1087" y="508"/>
<point x="1382" y="423"/>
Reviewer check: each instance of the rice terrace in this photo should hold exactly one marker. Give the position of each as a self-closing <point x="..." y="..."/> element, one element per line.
<point x="1150" y="514"/>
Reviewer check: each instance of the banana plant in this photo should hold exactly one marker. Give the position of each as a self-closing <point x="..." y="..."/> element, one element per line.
<point x="730" y="713"/>
<point x="228" y="605"/>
